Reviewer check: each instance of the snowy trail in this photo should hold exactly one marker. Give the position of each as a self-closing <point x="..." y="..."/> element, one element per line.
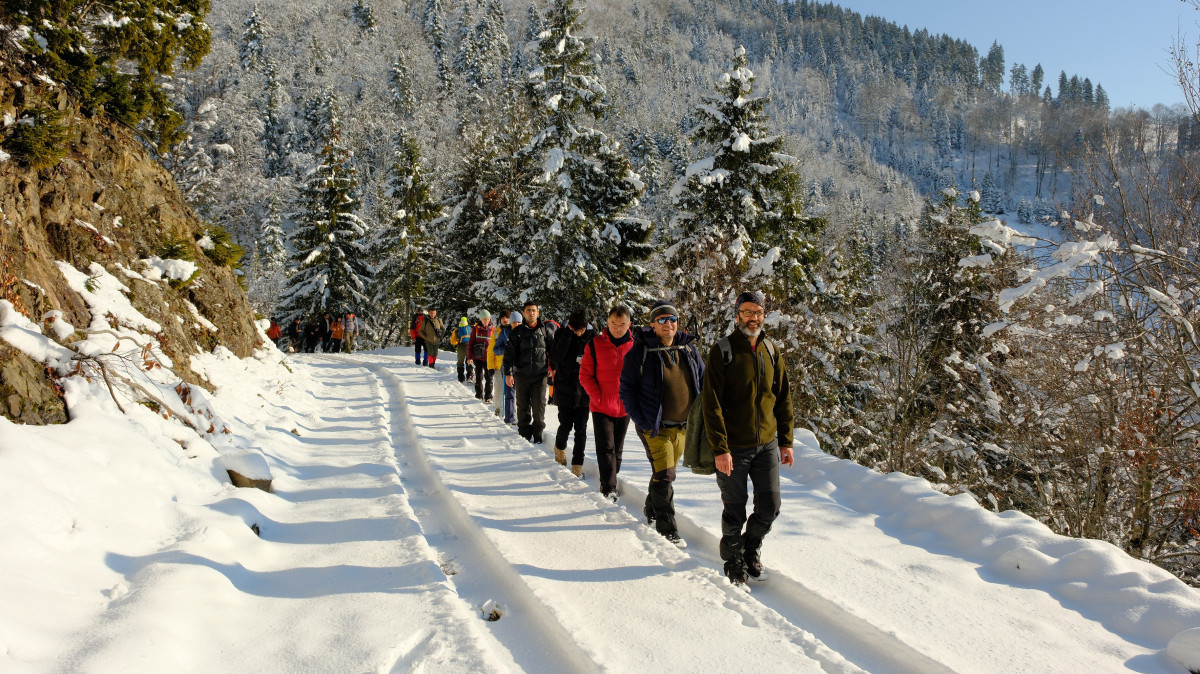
<point x="792" y="606"/>
<point x="587" y="561"/>
<point x="404" y="512"/>
<point x="341" y="579"/>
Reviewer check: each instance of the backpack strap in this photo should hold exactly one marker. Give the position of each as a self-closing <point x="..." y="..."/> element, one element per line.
<point x="727" y="350"/>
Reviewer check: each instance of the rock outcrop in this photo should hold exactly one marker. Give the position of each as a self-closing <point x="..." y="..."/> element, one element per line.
<point x="108" y="202"/>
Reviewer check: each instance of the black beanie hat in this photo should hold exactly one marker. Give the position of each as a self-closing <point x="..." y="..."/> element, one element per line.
<point x="662" y="308"/>
<point x="751" y="296"/>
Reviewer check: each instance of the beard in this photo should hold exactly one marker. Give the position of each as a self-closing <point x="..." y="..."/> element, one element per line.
<point x="749" y="332"/>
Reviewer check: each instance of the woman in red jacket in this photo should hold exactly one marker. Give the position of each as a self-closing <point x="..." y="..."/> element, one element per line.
<point x="600" y="376"/>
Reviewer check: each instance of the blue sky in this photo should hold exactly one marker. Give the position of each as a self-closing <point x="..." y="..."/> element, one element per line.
<point x="1122" y="44"/>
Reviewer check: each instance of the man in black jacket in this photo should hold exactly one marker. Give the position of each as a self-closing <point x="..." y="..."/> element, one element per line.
<point x="526" y="366"/>
<point x="569" y="396"/>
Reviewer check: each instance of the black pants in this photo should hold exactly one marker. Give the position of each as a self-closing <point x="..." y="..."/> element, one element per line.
<point x="572" y="418"/>
<point x="531" y="406"/>
<point x="419" y="346"/>
<point x="610" y="441"/>
<point x="761" y="466"/>
<point x="483" y="380"/>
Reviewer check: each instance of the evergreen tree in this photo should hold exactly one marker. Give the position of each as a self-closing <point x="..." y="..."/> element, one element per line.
<point x="466" y="59"/>
<point x="1036" y="78"/>
<point x="743" y="192"/>
<point x="401" y="89"/>
<point x="268" y="260"/>
<point x="480" y="240"/>
<point x="580" y="249"/>
<point x="364" y="16"/>
<point x="401" y="247"/>
<point x="1102" y="99"/>
<point x="991" y="197"/>
<point x="330" y="268"/>
<point x="991" y="69"/>
<point x="251" y="51"/>
<point x="957" y="404"/>
<point x="277" y="126"/>
<point x="112" y="56"/>
<point x="435" y="34"/>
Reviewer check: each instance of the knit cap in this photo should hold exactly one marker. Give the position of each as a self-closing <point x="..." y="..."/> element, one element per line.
<point x="483" y="313"/>
<point x="462" y="322"/>
<point x="662" y="308"/>
<point x="756" y="298"/>
<point x="515" y="318"/>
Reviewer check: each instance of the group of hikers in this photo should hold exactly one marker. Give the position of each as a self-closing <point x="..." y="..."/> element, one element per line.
<point x="329" y="334"/>
<point x="729" y="413"/>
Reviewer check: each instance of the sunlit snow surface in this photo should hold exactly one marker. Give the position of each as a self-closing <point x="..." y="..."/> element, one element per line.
<point x="404" y="515"/>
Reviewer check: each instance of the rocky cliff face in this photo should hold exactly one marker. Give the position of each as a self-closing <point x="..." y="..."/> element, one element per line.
<point x="107" y="202"/>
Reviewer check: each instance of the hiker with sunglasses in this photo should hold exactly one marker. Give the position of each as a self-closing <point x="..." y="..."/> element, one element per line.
<point x="747" y="408"/>
<point x="660" y="379"/>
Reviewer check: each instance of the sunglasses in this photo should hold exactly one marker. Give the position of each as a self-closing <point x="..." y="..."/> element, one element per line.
<point x="663" y="320"/>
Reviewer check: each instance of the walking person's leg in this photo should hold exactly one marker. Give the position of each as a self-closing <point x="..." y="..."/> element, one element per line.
<point x="764" y="476"/>
<point x="566" y="420"/>
<point x="661" y="450"/>
<point x="537" y="405"/>
<point x="579" y="421"/>
<point x="523" y="390"/>
<point x="734" y="495"/>
<point x="510" y="404"/>
<point x="602" y="431"/>
<point x="478" y="368"/>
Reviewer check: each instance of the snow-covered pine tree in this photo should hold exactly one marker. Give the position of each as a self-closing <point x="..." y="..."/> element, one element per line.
<point x="492" y="37"/>
<point x="401" y="88"/>
<point x="401" y="247"/>
<point x="991" y="198"/>
<point x="481" y="236"/>
<point x="435" y="35"/>
<point x="251" y="52"/>
<point x="744" y="189"/>
<point x="959" y="402"/>
<point x="269" y="257"/>
<point x="364" y="16"/>
<point x="466" y="58"/>
<point x="330" y="267"/>
<point x="320" y="111"/>
<point x="579" y="248"/>
<point x="277" y="125"/>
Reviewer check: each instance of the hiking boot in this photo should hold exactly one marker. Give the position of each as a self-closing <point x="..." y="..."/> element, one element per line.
<point x="735" y="571"/>
<point x="756" y="570"/>
<point x="488" y="401"/>
<point x="560" y="455"/>
<point x="752" y="549"/>
<point x="648" y="511"/>
<point x="610" y="496"/>
<point x="537" y="440"/>
<point x="675" y="540"/>
<point x="577" y="471"/>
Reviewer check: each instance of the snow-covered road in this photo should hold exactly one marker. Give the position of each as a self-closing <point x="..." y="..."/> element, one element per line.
<point x="405" y="514"/>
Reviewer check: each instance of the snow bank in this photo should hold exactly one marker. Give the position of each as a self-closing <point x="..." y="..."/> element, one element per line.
<point x="1131" y="597"/>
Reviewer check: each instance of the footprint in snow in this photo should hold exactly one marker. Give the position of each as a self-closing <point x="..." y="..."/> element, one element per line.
<point x="449" y="566"/>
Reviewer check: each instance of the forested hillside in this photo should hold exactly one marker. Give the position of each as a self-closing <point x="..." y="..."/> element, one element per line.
<point x="979" y="273"/>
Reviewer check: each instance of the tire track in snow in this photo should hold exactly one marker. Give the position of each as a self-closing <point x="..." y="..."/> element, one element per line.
<point x="449" y="528"/>
<point x="860" y="641"/>
<point x="453" y="411"/>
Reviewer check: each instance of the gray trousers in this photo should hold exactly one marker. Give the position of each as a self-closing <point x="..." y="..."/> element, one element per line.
<point x="531" y="405"/>
<point x="761" y="466"/>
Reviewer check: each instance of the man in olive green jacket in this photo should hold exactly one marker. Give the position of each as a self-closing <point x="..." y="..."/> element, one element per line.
<point x="747" y="409"/>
